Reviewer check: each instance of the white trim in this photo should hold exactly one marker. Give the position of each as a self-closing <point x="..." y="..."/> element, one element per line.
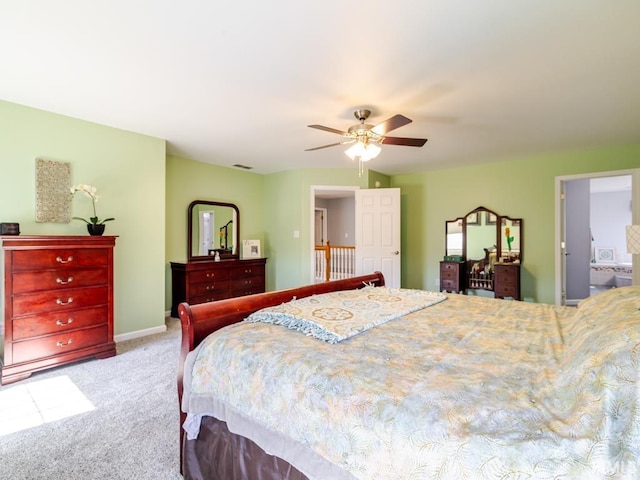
<point x="635" y="215"/>
<point x="140" y="333"/>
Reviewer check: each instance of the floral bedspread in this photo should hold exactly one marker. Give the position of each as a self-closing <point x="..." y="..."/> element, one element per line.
<point x="470" y="388"/>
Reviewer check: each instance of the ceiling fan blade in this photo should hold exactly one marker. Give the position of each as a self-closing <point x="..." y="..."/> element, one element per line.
<point x="328" y="129"/>
<point x="323" y="146"/>
<point x="392" y="123"/>
<point x="409" y="142"/>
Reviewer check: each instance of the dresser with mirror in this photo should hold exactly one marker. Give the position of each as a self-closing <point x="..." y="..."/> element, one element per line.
<point x="483" y="251"/>
<point x="214" y="270"/>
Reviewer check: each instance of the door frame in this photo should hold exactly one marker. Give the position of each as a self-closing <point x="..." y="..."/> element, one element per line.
<point x="560" y="274"/>
<point x="315" y="189"/>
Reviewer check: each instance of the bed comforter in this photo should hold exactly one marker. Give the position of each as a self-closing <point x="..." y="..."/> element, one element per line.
<point x="469" y="388"/>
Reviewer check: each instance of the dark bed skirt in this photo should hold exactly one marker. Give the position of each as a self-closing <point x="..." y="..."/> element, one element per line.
<point x="218" y="454"/>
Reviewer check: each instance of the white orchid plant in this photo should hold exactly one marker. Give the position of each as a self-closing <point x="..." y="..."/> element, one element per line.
<point x="92" y="193"/>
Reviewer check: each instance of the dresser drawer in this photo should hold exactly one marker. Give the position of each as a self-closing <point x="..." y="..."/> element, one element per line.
<point x="246" y="271"/>
<point x="450" y="285"/>
<point x="448" y="275"/>
<point x="208" y="276"/>
<point x="210" y="297"/>
<point x="59" y="258"/>
<point x="247" y="286"/>
<point x="453" y="268"/>
<point x="52" y="345"/>
<point x="506" y="279"/>
<point x="217" y="287"/>
<point x="24" y="282"/>
<point x="54" y="301"/>
<point x="504" y="290"/>
<point x="45" y="324"/>
<point x="502" y="269"/>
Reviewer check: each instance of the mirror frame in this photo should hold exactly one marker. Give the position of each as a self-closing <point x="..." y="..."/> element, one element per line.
<point x="498" y="233"/>
<point x="190" y="226"/>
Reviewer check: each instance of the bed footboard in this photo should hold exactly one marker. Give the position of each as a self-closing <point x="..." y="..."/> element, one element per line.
<point x="198" y="321"/>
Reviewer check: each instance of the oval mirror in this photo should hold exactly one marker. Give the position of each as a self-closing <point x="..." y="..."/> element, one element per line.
<point x="212" y="227"/>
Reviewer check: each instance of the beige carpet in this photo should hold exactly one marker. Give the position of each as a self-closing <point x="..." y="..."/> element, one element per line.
<point x="115" y="418"/>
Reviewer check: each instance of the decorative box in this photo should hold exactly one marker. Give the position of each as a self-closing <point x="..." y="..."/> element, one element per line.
<point x="9" y="229"/>
<point x="453" y="258"/>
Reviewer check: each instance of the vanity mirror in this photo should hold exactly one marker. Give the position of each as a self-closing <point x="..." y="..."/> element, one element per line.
<point x="212" y="227"/>
<point x="483" y="250"/>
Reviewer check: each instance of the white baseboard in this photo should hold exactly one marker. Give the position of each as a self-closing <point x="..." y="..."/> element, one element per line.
<point x="140" y="333"/>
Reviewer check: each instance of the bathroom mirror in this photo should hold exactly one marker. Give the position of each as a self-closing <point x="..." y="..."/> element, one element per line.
<point x="212" y="227"/>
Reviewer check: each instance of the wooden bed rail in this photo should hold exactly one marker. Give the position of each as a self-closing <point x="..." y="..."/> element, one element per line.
<point x="198" y="321"/>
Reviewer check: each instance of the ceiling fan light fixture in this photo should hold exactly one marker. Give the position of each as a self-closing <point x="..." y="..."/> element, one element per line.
<point x="363" y="150"/>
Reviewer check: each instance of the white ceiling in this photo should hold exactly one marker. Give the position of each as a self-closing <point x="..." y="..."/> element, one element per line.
<point x="237" y="82"/>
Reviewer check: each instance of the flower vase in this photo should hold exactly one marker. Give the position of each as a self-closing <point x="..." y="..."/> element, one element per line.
<point x="95" y="229"/>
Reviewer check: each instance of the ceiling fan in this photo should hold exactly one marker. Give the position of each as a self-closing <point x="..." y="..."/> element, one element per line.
<point x="367" y="138"/>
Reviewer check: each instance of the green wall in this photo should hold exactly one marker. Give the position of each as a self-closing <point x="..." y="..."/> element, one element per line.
<point x="522" y="188"/>
<point x="188" y="180"/>
<point x="146" y="191"/>
<point x="128" y="170"/>
<point x="288" y="208"/>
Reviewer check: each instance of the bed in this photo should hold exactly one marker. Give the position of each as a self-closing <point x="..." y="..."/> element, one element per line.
<point x="455" y="387"/>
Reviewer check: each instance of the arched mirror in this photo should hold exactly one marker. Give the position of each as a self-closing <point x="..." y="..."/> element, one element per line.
<point x="212" y="227"/>
<point x="480" y="234"/>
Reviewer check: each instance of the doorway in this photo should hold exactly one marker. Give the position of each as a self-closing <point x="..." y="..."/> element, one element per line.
<point x="333" y="220"/>
<point x="592" y="211"/>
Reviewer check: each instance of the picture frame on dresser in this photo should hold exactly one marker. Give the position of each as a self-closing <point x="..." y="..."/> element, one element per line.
<point x="251" y="249"/>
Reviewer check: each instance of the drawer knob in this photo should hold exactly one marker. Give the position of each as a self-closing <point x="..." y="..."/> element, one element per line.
<point x="62" y="260"/>
<point x="64" y="282"/>
<point x="59" y="301"/>
<point x="210" y="275"/>
<point x="62" y="344"/>
<point x="62" y="323"/>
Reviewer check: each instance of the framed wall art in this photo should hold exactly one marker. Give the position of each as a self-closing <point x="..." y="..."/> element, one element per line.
<point x="605" y="255"/>
<point x="53" y="180"/>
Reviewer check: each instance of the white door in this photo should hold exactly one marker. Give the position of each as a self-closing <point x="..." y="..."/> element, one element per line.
<point x="378" y="233"/>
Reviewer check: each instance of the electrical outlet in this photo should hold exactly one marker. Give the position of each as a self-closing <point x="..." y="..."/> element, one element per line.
<point x="437" y="283"/>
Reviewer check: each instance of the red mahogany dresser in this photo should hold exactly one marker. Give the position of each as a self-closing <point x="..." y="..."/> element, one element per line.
<point x="58" y="302"/>
<point x="208" y="281"/>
